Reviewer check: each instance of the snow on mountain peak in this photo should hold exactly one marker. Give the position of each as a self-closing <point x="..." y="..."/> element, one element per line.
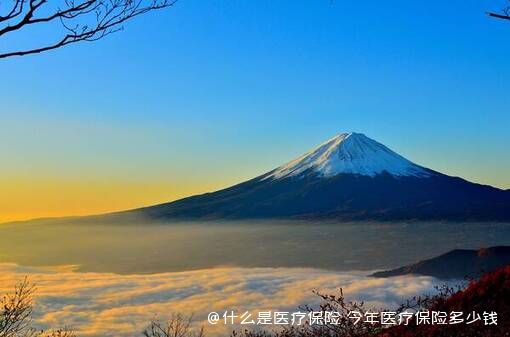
<point x="350" y="153"/>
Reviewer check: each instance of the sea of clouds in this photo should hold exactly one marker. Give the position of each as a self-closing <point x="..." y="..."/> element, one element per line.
<point x="107" y="304"/>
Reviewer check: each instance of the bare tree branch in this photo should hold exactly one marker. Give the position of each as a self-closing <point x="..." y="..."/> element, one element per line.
<point x="16" y="314"/>
<point x="16" y="311"/>
<point x="87" y="20"/>
<point x="505" y="14"/>
<point x="177" y="326"/>
<point x="499" y="16"/>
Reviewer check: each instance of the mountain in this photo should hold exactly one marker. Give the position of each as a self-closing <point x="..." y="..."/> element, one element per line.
<point x="456" y="264"/>
<point x="349" y="177"/>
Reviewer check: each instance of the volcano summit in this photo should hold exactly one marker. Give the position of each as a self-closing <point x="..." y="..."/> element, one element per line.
<point x="350" y="153"/>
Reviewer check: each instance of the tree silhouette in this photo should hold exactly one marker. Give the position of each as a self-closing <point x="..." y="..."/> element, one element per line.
<point x="504" y="14"/>
<point x="75" y="20"/>
<point x="177" y="325"/>
<point x="16" y="314"/>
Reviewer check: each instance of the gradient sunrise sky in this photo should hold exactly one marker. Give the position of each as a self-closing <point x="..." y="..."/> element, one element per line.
<point x="209" y="93"/>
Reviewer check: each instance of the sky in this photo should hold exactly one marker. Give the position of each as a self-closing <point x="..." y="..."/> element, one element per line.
<point x="209" y="93"/>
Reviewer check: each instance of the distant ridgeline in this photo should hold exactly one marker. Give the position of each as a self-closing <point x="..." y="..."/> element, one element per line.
<point x="456" y="264"/>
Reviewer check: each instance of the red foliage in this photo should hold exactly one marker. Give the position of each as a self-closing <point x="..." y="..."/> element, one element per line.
<point x="490" y="293"/>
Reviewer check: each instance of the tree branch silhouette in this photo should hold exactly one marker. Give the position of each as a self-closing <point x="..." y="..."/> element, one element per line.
<point x="505" y="14"/>
<point x="88" y="20"/>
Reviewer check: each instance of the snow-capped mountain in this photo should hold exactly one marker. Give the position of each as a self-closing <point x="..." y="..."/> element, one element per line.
<point x="349" y="177"/>
<point x="350" y="153"/>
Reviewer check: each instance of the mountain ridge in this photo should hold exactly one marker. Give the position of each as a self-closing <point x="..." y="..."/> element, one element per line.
<point x="362" y="198"/>
<point x="348" y="177"/>
<point x="456" y="264"/>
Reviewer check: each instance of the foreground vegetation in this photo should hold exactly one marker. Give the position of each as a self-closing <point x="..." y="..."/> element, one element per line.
<point x="490" y="293"/>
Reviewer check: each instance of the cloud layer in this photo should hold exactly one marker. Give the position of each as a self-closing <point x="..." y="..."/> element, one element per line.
<point x="106" y="304"/>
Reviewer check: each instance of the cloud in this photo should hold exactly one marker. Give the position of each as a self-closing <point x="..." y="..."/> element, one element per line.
<point x="107" y="304"/>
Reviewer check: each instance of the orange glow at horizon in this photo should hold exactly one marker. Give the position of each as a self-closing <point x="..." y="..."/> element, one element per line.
<point x="25" y="199"/>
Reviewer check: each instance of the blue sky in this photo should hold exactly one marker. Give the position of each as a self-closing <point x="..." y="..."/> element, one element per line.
<point x="208" y="93"/>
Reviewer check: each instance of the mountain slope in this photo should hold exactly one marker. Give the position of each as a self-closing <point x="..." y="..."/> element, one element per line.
<point x="350" y="177"/>
<point x="352" y="153"/>
<point x="456" y="264"/>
